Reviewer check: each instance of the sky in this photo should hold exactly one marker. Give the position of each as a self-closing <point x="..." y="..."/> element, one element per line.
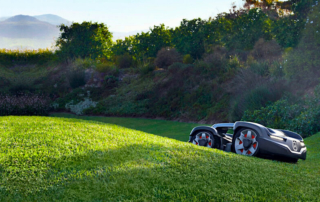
<point x="120" y="15"/>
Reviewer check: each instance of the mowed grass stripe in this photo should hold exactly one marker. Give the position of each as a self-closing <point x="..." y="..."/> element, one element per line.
<point x="61" y="159"/>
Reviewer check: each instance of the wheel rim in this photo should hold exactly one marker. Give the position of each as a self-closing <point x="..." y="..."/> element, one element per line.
<point x="203" y="139"/>
<point x="246" y="143"/>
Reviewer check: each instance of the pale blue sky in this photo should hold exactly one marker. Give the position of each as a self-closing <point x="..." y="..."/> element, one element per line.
<point x="120" y="15"/>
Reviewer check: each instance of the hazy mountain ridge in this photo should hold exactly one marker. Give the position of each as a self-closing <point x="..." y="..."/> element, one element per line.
<point x="27" y="32"/>
<point x="49" y="18"/>
<point x="52" y="19"/>
<point x="23" y="26"/>
<point x="37" y="31"/>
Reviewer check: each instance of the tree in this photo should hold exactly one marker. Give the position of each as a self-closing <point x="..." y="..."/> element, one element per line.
<point x="190" y="36"/>
<point x="125" y="46"/>
<point x="148" y="44"/>
<point x="84" y="40"/>
<point x="247" y="29"/>
<point x="303" y="62"/>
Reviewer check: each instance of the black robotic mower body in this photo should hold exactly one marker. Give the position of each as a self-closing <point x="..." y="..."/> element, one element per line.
<point x="250" y="139"/>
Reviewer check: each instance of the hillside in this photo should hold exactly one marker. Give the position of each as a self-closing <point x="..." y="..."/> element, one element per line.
<point x="58" y="159"/>
<point x="49" y="18"/>
<point x="22" y="26"/>
<point x="52" y="19"/>
<point x="23" y="31"/>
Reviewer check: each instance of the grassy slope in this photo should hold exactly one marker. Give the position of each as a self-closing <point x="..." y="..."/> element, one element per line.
<point x="47" y="159"/>
<point x="171" y="129"/>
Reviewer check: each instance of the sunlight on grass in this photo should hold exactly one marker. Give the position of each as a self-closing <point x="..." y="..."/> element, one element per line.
<point x="171" y="129"/>
<point x="62" y="159"/>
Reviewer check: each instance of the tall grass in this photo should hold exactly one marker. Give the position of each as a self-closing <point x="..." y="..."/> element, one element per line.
<point x="23" y="57"/>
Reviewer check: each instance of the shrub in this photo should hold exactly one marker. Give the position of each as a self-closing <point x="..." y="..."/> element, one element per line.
<point x="301" y="117"/>
<point x="215" y="59"/>
<point x="22" y="83"/>
<point x="104" y="66"/>
<point x="24" y="104"/>
<point x="276" y="69"/>
<point x="146" y="68"/>
<point x="176" y="67"/>
<point x="302" y="63"/>
<point x="166" y="57"/>
<point x="85" y="63"/>
<point x="290" y="113"/>
<point x="75" y="95"/>
<point x="76" y="78"/>
<point x="111" y="80"/>
<point x="4" y="82"/>
<point x="251" y="91"/>
<point x="79" y="108"/>
<point x="124" y="61"/>
<point x="234" y="62"/>
<point x="10" y="58"/>
<point x="187" y="59"/>
<point x="266" y="50"/>
<point x="260" y="68"/>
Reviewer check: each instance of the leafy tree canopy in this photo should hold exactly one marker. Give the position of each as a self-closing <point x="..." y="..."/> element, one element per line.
<point x="83" y="40"/>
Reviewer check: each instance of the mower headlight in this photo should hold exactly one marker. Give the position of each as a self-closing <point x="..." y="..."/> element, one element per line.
<point x="276" y="137"/>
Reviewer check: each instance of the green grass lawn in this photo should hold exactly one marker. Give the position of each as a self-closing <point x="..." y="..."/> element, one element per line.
<point x="171" y="129"/>
<point x="63" y="159"/>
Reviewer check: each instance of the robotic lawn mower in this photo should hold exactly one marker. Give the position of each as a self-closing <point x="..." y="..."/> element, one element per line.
<point x="251" y="139"/>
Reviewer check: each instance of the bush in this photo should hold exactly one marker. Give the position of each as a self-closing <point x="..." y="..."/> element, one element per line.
<point x="251" y="91"/>
<point x="266" y="50"/>
<point x="234" y="62"/>
<point x="215" y="59"/>
<point x="176" y="67"/>
<point x="79" y="108"/>
<point x="251" y="100"/>
<point x="166" y="57"/>
<point x="10" y="58"/>
<point x="76" y="78"/>
<point x="111" y="80"/>
<point x="302" y="63"/>
<point x="75" y="95"/>
<point x="146" y="68"/>
<point x="85" y="63"/>
<point x="187" y="59"/>
<point x="301" y="117"/>
<point x="276" y="69"/>
<point x="260" y="68"/>
<point x="24" y="104"/>
<point x="124" y="61"/>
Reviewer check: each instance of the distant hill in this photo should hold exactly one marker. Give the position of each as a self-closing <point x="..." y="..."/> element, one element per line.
<point x="23" y="31"/>
<point x="24" y="26"/>
<point x="52" y="19"/>
<point x="22" y="18"/>
<point x="49" y="18"/>
<point x="3" y="18"/>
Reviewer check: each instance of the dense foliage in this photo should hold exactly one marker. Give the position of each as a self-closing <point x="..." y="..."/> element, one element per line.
<point x="83" y="40"/>
<point x="303" y="62"/>
<point x="24" y="105"/>
<point x="9" y="58"/>
<point x="210" y="70"/>
<point x="299" y="115"/>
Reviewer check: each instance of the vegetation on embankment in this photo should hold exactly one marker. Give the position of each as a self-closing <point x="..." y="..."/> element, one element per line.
<point x="214" y="70"/>
<point x="60" y="159"/>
